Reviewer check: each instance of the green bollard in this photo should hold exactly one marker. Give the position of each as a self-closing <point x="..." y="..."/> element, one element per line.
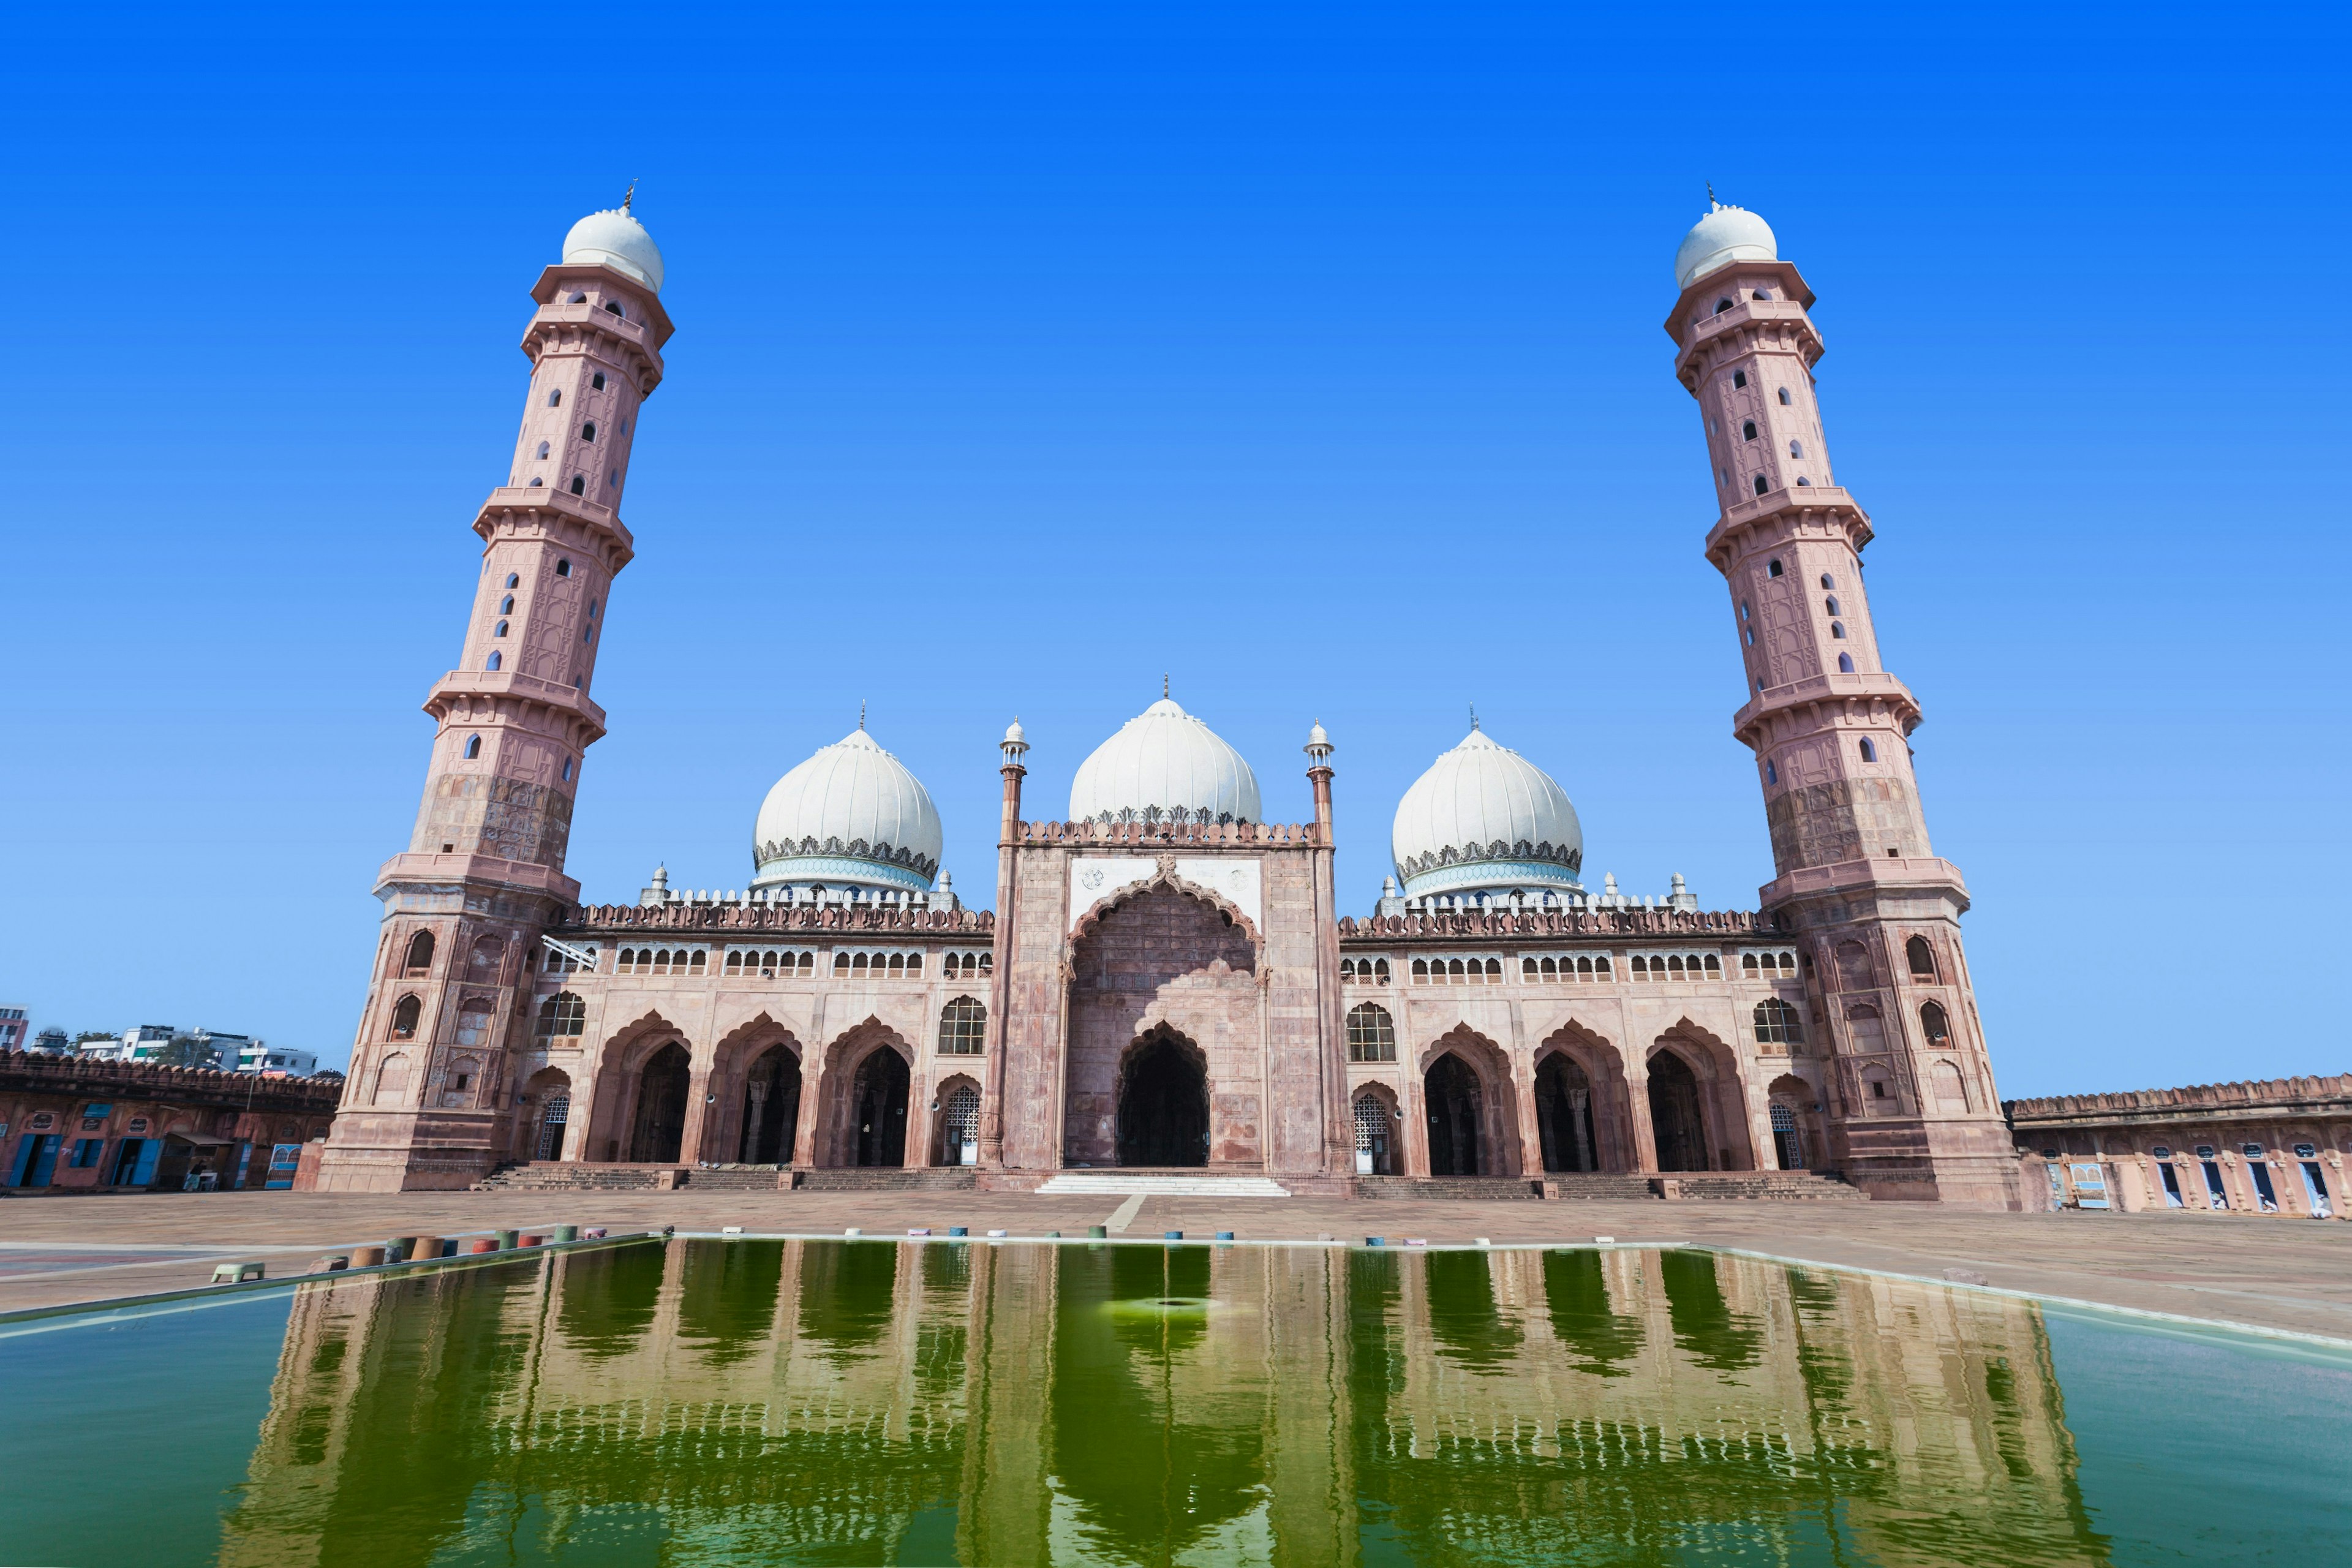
<point x="1096" y="1233"/>
<point x="565" y="1233"/>
<point x="506" y="1241"/>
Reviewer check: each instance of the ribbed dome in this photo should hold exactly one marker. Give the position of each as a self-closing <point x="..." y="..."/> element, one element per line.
<point x="1723" y="236"/>
<point x="619" y="241"/>
<point x="1164" y="761"/>
<point x="1485" y="817"/>
<point x="851" y="814"/>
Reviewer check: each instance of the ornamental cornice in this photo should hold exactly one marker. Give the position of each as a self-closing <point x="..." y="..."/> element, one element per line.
<point x="1866" y="698"/>
<point x="1167" y="829"/>
<point x="2320" y="1096"/>
<point x="1386" y="932"/>
<point x="512" y="691"/>
<point x="588" y="919"/>
<point x="1710" y="286"/>
<point x="1749" y="327"/>
<point x="1570" y="855"/>
<point x="612" y="278"/>
<point x="561" y="516"/>
<point x="585" y="329"/>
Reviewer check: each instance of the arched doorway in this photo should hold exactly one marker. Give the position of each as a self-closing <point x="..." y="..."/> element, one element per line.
<point x="1164" y="1102"/>
<point x="1376" y="1140"/>
<point x="1452" y="1088"/>
<point x="956" y="1140"/>
<point x="878" y="1099"/>
<point x="1564" y="1115"/>
<point x="1674" y="1119"/>
<point x="661" y="1106"/>
<point x="547" y="1112"/>
<point x="772" y="1108"/>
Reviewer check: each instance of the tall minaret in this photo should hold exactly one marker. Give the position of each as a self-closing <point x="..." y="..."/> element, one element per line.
<point x="431" y="1094"/>
<point x="1908" y="1090"/>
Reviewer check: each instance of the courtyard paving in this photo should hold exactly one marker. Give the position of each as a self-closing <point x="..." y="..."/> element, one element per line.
<point x="2271" y="1273"/>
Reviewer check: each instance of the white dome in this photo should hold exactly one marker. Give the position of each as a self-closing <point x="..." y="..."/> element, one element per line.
<point x="619" y="241"/>
<point x="1164" y="761"/>
<point x="1723" y="236"/>
<point x="1485" y="817"/>
<point x="851" y="814"/>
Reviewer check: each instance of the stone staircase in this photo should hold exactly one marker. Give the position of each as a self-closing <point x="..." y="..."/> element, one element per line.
<point x="1162" y="1185"/>
<point x="737" y="1179"/>
<point x="562" y="1176"/>
<point x="1481" y="1189"/>
<point x="1771" y="1186"/>
<point x="1603" y="1185"/>
<point x="887" y="1179"/>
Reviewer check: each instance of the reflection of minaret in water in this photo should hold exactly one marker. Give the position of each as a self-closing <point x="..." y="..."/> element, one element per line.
<point x="1912" y="1112"/>
<point x="428" y="1099"/>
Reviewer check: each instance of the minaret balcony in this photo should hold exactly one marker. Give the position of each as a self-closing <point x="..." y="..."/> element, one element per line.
<point x="1874" y="691"/>
<point x="1906" y="879"/>
<point x="497" y="686"/>
<point x="455" y="869"/>
<point x="1776" y="318"/>
<point x="1791" y="511"/>
<point x="558" y="515"/>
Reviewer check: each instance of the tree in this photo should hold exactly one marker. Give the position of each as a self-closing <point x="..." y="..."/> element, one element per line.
<point x="91" y="1035"/>
<point x="186" y="1051"/>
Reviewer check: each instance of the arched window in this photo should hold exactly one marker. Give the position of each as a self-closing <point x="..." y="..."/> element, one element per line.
<point x="1830" y="604"/>
<point x="1934" y="1025"/>
<point x="597" y="381"/>
<point x="562" y="1017"/>
<point x="536" y="481"/>
<point x="1796" y="449"/>
<point x="555" y="397"/>
<point x="964" y="1029"/>
<point x="1803" y="481"/>
<point x="1743" y="609"/>
<point x="1779" y="1023"/>
<point x="494" y="661"/>
<point x="420" y="954"/>
<point x="1372" y="1033"/>
<point x="506" y="606"/>
<point x="473" y="747"/>
<point x="1837" y="629"/>
<point x="578" y="299"/>
<point x="567" y="770"/>
<point x="392" y="1077"/>
<point x="1493" y="972"/>
<point x="1845" y="663"/>
<point x="1921" y="958"/>
<point x="1739" y="378"/>
<point x="1419" y="971"/>
<point x="563" y="568"/>
<point x="405" y="1013"/>
<point x="1721" y="306"/>
<point x="542" y="449"/>
<point x="1759" y="484"/>
<point x="1763" y="294"/>
<point x="501" y="630"/>
<point x="483" y="958"/>
<point x="1748" y="431"/>
<point x="1785" y="399"/>
<point x="1771" y="568"/>
<point x="514" y="579"/>
<point x="1527" y="970"/>
<point x="1772" y="773"/>
<point x="1869" y="750"/>
<point x="580" y="484"/>
<point x="614" y="306"/>
<point x="588" y="430"/>
<point x="1828" y="581"/>
<point x="1950" y="1089"/>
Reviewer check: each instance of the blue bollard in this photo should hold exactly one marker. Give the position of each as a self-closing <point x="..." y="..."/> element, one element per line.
<point x="959" y="1230"/>
<point x="1374" y="1241"/>
<point x="1224" y="1235"/>
<point x="1172" y="1234"/>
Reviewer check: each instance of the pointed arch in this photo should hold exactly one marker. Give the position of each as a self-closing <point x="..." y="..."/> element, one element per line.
<point x="1165" y="879"/>
<point x="1449" y="1122"/>
<point x="862" y="1112"/>
<point x="1717" y="1097"/>
<point x="1605" y="1115"/>
<point x="753" y="1114"/>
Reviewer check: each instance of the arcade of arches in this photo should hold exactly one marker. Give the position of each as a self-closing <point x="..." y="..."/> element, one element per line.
<point x="1164" y="1102"/>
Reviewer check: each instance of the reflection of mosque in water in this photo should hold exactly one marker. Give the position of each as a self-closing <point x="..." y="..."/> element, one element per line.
<point x="1035" y="1403"/>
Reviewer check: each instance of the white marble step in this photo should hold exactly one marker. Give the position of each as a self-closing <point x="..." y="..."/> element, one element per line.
<point x="1113" y="1183"/>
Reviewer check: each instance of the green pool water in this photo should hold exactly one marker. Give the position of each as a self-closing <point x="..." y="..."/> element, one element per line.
<point x="830" y="1402"/>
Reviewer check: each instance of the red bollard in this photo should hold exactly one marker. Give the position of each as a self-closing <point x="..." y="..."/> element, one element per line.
<point x="482" y="1244"/>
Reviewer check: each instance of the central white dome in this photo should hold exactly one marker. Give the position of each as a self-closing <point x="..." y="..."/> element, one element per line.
<point x="850" y="815"/>
<point x="1723" y="236"/>
<point x="617" y="240"/>
<point x="1484" y="817"/>
<point x="1162" y="762"/>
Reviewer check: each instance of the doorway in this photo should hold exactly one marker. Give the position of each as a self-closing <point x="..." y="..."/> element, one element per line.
<point x="1675" y="1119"/>
<point x="661" y="1107"/>
<point x="772" y="1108"/>
<point x="1375" y="1137"/>
<point x="1788" y="1140"/>
<point x="1452" y="1090"/>
<point x="1564" y="1115"/>
<point x="877" y="1098"/>
<point x="1164" y="1102"/>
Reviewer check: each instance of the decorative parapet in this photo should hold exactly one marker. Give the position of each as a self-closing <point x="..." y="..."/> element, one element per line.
<point x="681" y="915"/>
<point x="1458" y="925"/>
<point x="1168" y="830"/>
<point x="32" y="1072"/>
<point x="2301" y="1095"/>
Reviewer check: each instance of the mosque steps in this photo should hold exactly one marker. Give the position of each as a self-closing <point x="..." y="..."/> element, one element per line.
<point x="1476" y="1189"/>
<point x="1769" y="1186"/>
<point x="887" y="1179"/>
<point x="1597" y="1185"/>
<point x="1128" y="1183"/>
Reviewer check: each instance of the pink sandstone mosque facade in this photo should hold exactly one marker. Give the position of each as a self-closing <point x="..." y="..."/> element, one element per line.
<point x="1166" y="981"/>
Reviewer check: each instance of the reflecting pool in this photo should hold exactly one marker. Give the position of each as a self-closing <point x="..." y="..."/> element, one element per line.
<point x="830" y="1402"/>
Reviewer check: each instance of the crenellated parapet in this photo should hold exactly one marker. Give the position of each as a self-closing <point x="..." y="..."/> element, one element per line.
<point x="684" y="915"/>
<point x="1156" y="829"/>
<point x="36" y="1072"/>
<point x="2300" y="1095"/>
<point x="1529" y="925"/>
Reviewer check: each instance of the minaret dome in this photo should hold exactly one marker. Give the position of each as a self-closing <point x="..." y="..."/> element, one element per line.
<point x="1723" y="235"/>
<point x="617" y="240"/>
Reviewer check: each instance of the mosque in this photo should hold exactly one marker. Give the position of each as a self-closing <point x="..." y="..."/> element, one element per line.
<point x="1166" y="981"/>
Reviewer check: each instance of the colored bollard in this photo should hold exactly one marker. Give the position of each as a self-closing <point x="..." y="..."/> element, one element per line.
<point x="918" y="1230"/>
<point x="429" y="1248"/>
<point x="592" y="1233"/>
<point x="1374" y="1241"/>
<point x="997" y="1234"/>
<point x="565" y="1233"/>
<point x="1096" y="1233"/>
<point x="506" y="1241"/>
<point x="531" y="1239"/>
<point x="366" y="1257"/>
<point x="236" y="1273"/>
<point x="397" y="1249"/>
<point x="959" y="1230"/>
<point x="853" y="1233"/>
<point x="1172" y="1236"/>
<point x="480" y="1245"/>
<point x="1052" y="1236"/>
<point x="1224" y="1235"/>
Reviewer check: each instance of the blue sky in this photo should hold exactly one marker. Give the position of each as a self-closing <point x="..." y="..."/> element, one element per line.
<point x="1309" y="354"/>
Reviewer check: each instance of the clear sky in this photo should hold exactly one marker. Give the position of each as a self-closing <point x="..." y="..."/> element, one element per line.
<point x="1309" y="354"/>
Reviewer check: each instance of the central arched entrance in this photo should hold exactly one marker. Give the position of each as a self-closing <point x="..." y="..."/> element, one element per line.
<point x="1164" y="1102"/>
<point x="1675" y="1119"/>
<point x="660" y="1127"/>
<point x="1452" y="1088"/>
<point x="772" y="1108"/>
<point x="1564" y="1115"/>
<point x="877" y="1098"/>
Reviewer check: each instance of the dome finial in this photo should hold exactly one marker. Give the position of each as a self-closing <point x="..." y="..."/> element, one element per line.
<point x="630" y="195"/>
<point x="1712" y="205"/>
<point x="1474" y="716"/>
<point x="861" y="712"/>
<point x="1163" y="686"/>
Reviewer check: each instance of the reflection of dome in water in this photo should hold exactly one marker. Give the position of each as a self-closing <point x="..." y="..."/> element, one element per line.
<point x="852" y="813"/>
<point x="1485" y="817"/>
<point x="1162" y="762"/>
